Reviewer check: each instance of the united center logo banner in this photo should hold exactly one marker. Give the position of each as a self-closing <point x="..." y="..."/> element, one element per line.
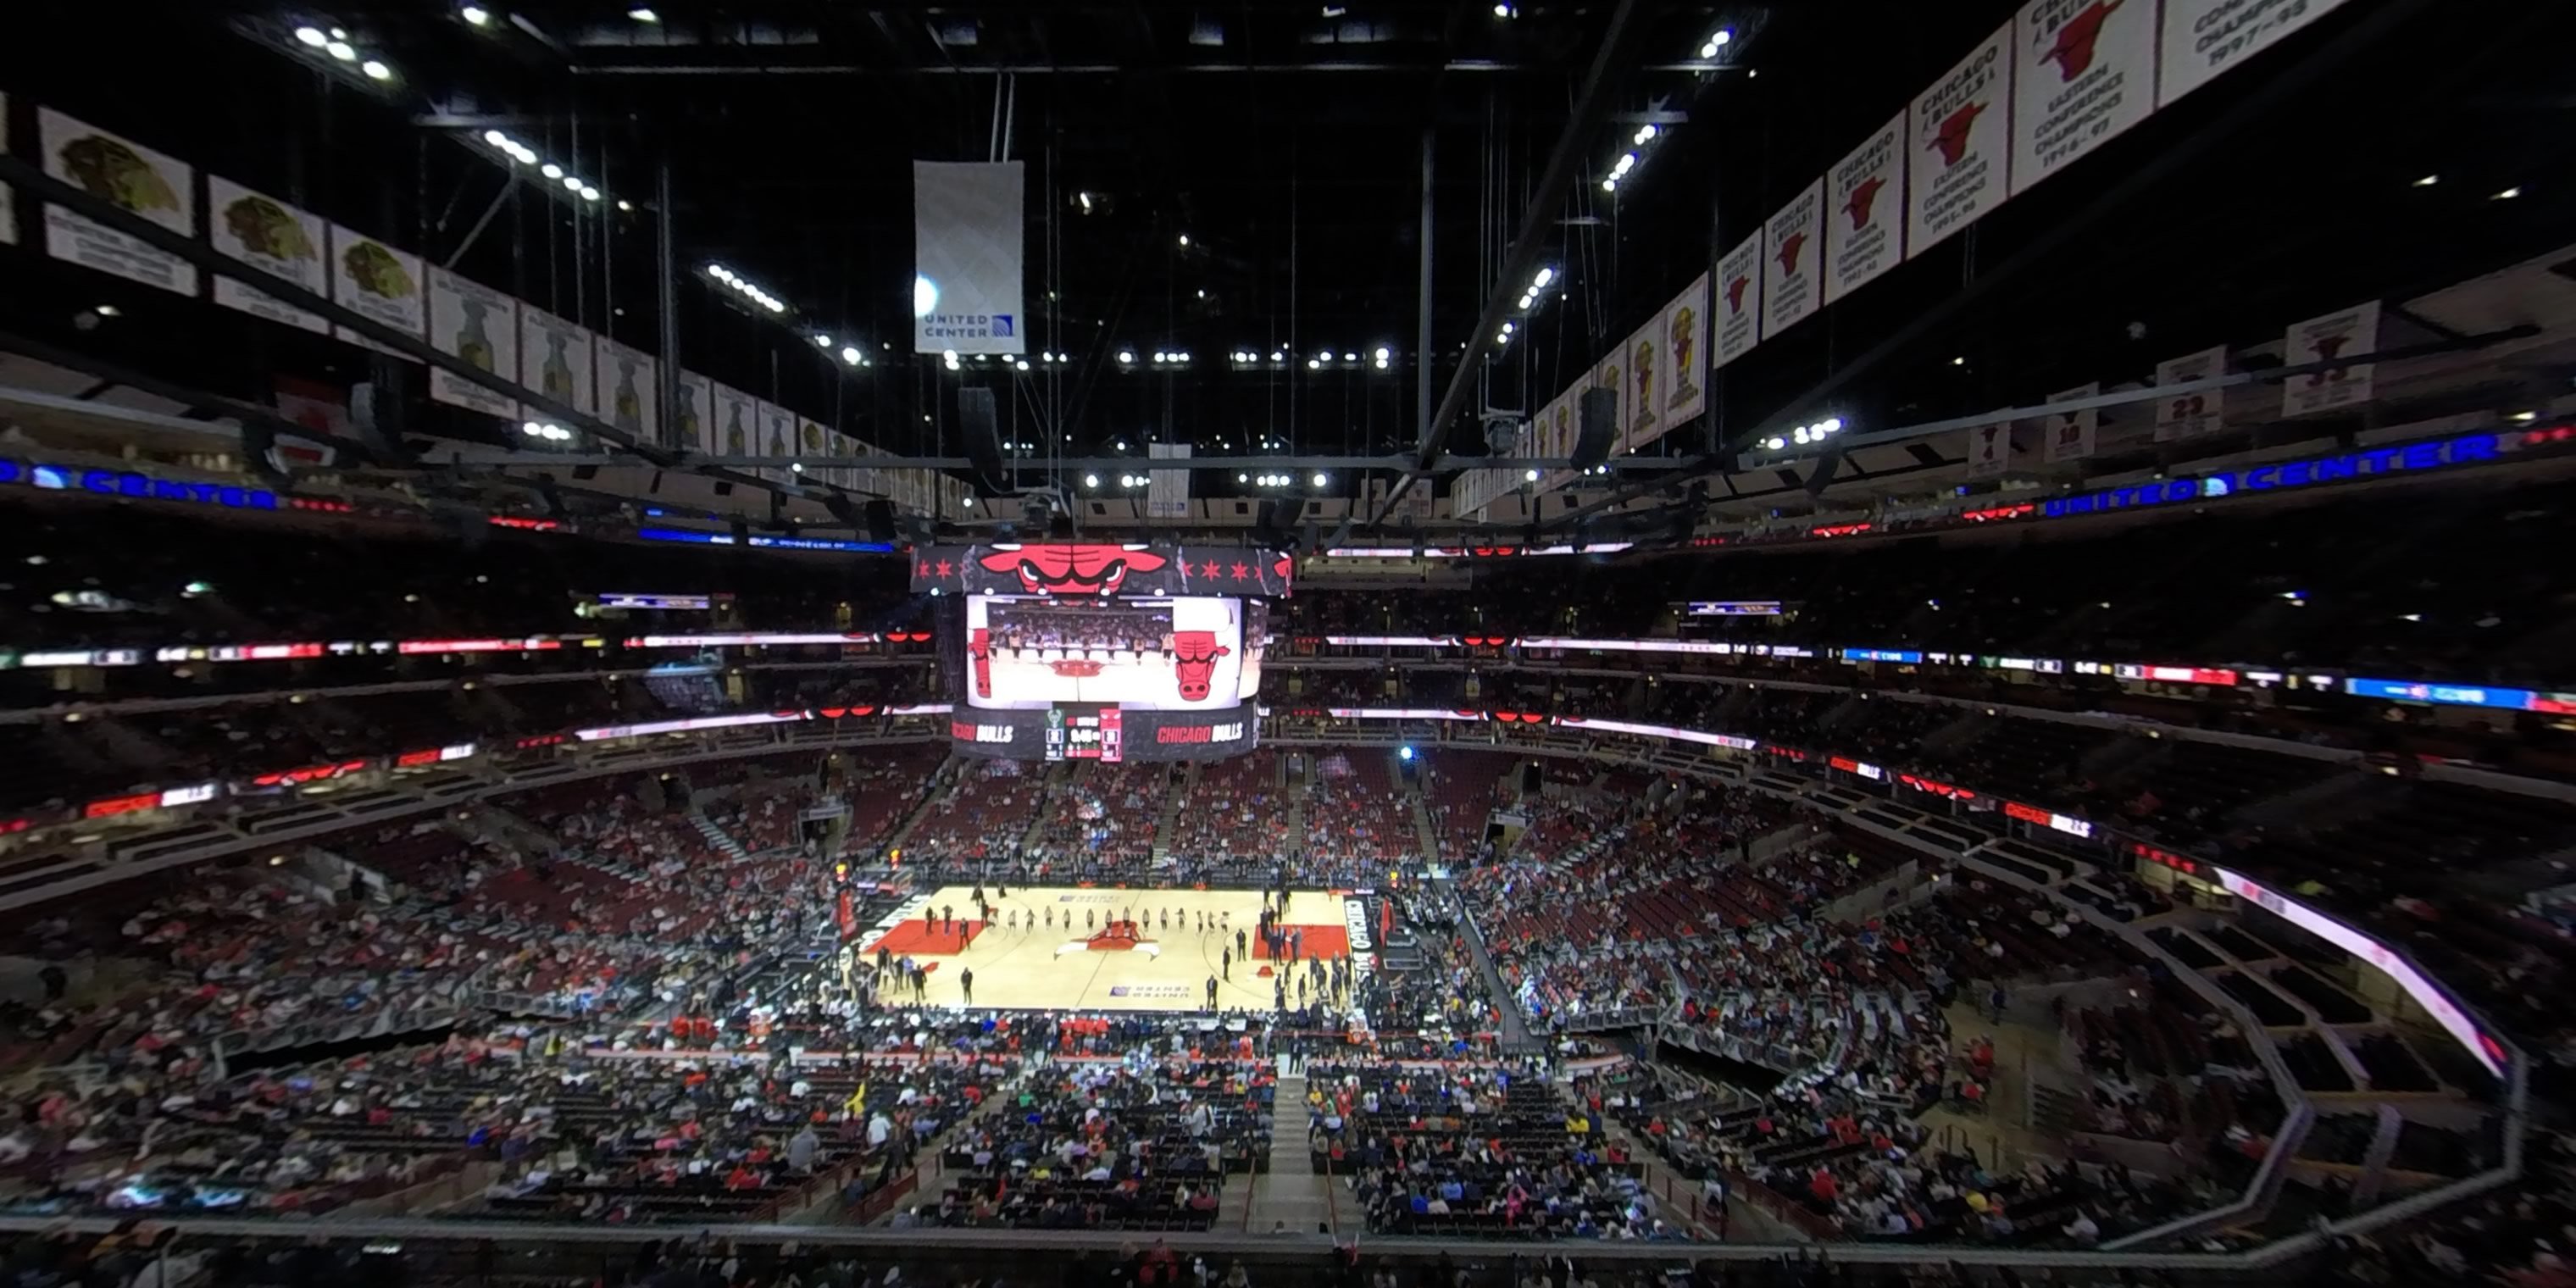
<point x="970" y="235"/>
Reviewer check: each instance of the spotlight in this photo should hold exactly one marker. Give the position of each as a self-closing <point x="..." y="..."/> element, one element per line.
<point x="475" y="15"/>
<point x="312" y="37"/>
<point x="1091" y="480"/>
<point x="342" y="50"/>
<point x="643" y="15"/>
<point x="1320" y="480"/>
<point x="550" y="170"/>
<point x="1127" y="357"/>
<point x="376" y="70"/>
<point x="1529" y="476"/>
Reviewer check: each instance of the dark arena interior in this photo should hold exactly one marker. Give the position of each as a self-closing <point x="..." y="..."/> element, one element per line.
<point x="1375" y="644"/>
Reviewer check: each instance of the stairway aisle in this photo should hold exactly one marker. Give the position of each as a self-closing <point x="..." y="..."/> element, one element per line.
<point x="716" y="836"/>
<point x="1513" y="1028"/>
<point x="1290" y="1191"/>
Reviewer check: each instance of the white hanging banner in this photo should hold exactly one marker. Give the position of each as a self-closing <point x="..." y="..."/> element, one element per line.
<point x="2070" y="433"/>
<point x="736" y="427"/>
<point x="274" y="238"/>
<point x="970" y="235"/>
<point x="1959" y="133"/>
<point x="554" y="360"/>
<point x="2083" y="71"/>
<point x="479" y="326"/>
<point x="2180" y="416"/>
<point x="1792" y="284"/>
<point x="132" y="178"/>
<point x="2204" y="39"/>
<point x="8" y="195"/>
<point x="777" y="439"/>
<point x="2322" y="339"/>
<point x="693" y="415"/>
<point x="370" y="278"/>
<point x="1866" y="232"/>
<point x="1990" y="450"/>
<point x="1685" y="327"/>
<point x="1167" y="492"/>
<point x="1739" y="301"/>
<point x="628" y="389"/>
<point x="1642" y="402"/>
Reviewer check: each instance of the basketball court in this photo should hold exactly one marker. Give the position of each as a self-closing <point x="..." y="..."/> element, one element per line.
<point x="1063" y="948"/>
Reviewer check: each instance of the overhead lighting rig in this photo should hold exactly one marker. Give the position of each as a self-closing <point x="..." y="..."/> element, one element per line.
<point x="522" y="155"/>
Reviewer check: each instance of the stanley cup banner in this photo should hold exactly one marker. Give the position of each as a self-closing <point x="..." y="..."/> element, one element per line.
<point x="970" y="234"/>
<point x="554" y="361"/>
<point x="2083" y="71"/>
<point x="1793" y="285"/>
<point x="1959" y="139"/>
<point x="1739" y="301"/>
<point x="629" y="389"/>
<point x="479" y="326"/>
<point x="2204" y="39"/>
<point x="2070" y="433"/>
<point x="1865" y="227"/>
<point x="694" y="416"/>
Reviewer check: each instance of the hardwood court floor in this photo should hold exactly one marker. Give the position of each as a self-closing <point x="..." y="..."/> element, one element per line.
<point x="1037" y="952"/>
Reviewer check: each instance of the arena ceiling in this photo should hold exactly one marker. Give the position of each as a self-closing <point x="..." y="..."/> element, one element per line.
<point x="1285" y="142"/>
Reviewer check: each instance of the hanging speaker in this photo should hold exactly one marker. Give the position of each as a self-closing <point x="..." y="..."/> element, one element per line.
<point x="880" y="520"/>
<point x="981" y="429"/>
<point x="1596" y="427"/>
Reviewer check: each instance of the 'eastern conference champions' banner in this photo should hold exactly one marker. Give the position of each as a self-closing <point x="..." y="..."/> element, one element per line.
<point x="969" y="236"/>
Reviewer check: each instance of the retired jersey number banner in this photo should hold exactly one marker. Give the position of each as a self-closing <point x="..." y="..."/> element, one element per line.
<point x="970" y="235"/>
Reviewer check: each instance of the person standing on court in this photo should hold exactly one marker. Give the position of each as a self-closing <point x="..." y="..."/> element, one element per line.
<point x="966" y="984"/>
<point x="1211" y="992"/>
<point x="1225" y="959"/>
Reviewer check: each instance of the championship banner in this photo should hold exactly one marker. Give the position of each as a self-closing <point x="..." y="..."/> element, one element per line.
<point x="627" y="389"/>
<point x="691" y="419"/>
<point x="479" y="326"/>
<point x="273" y="237"/>
<point x="736" y="426"/>
<point x="812" y="440"/>
<point x="2205" y="39"/>
<point x="1866" y="190"/>
<point x="368" y="277"/>
<point x="2180" y="416"/>
<point x="8" y="195"/>
<point x="970" y="233"/>
<point x="132" y="178"/>
<point x="776" y="439"/>
<point x="2322" y="339"/>
<point x="1099" y="570"/>
<point x="1167" y="492"/>
<point x="1685" y="328"/>
<point x="1739" y="301"/>
<point x="554" y="361"/>
<point x="2083" y="72"/>
<point x="1792" y="285"/>
<point x="1959" y="133"/>
<point x="1641" y="402"/>
<point x="2070" y="433"/>
<point x="1990" y="449"/>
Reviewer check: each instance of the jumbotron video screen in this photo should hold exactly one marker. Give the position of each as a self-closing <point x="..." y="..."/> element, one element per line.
<point x="1104" y="652"/>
